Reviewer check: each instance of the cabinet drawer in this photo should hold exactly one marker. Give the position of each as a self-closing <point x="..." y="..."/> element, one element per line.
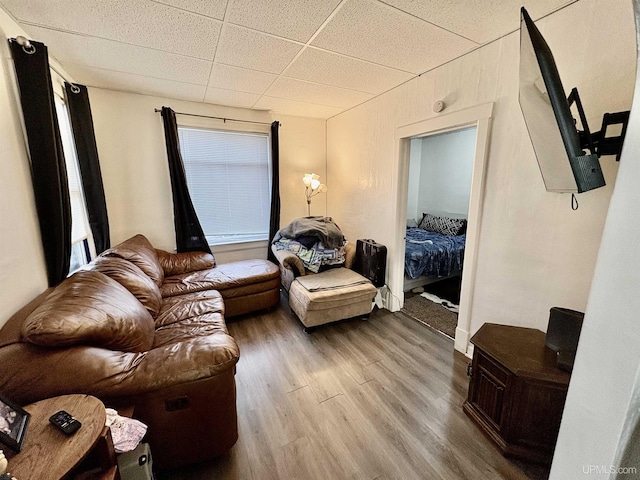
<point x="499" y="374"/>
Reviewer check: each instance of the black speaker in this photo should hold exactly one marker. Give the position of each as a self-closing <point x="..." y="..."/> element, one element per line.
<point x="563" y="334"/>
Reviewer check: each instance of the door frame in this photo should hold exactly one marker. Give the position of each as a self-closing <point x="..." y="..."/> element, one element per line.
<point x="480" y="117"/>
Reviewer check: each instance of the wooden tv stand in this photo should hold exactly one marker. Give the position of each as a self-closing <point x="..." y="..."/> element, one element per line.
<point x="516" y="392"/>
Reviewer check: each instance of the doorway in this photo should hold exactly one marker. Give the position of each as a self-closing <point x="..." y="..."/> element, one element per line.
<point x="438" y="192"/>
<point x="479" y="117"/>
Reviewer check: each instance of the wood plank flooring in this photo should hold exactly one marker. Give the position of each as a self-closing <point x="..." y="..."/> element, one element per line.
<point x="376" y="399"/>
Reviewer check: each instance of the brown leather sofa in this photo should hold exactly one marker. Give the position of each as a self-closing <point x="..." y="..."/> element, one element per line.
<point x="142" y="327"/>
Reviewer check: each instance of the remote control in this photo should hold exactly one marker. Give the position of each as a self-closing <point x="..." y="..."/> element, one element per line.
<point x="65" y="422"/>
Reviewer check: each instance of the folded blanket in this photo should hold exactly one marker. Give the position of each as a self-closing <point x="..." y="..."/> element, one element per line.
<point x="322" y="228"/>
<point x="312" y="258"/>
<point x="332" y="279"/>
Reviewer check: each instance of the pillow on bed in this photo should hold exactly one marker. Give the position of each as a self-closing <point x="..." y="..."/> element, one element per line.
<point x="411" y="223"/>
<point x="443" y="225"/>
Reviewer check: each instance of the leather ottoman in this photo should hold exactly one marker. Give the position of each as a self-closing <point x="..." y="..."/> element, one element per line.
<point x="329" y="296"/>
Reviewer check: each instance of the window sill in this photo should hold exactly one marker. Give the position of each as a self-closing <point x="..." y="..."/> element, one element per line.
<point x="238" y="246"/>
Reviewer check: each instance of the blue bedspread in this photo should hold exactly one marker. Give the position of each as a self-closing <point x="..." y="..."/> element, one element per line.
<point x="432" y="254"/>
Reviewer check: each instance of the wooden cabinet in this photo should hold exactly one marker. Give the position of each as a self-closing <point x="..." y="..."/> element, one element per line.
<point x="516" y="392"/>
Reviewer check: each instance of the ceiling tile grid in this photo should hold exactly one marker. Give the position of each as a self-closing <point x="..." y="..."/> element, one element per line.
<point x="231" y="98"/>
<point x="120" y="57"/>
<point x="292" y="107"/>
<point x="137" y="22"/>
<point x="316" y="93"/>
<point x="209" y="8"/>
<point x="242" y="47"/>
<point x="297" y="57"/>
<point x="462" y="16"/>
<point x="128" y="82"/>
<point x="240" y="79"/>
<point x="293" y="19"/>
<point x="373" y="31"/>
<point x="319" y="66"/>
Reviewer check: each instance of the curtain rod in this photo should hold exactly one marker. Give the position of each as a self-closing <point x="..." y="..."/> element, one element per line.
<point x="158" y="110"/>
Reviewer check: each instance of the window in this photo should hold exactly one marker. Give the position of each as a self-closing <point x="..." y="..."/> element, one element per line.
<point x="229" y="183"/>
<point x="80" y="230"/>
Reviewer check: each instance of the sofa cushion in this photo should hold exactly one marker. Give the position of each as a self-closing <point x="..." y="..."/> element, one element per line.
<point x="140" y="252"/>
<point x="226" y="276"/>
<point x="89" y="308"/>
<point x="132" y="278"/>
<point x="189" y="305"/>
<point x="206" y="325"/>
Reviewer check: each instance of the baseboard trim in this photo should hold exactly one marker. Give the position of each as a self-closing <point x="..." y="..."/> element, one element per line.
<point x="462" y="344"/>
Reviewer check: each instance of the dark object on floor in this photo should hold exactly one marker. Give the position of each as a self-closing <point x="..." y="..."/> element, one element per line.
<point x="449" y="289"/>
<point x="432" y="314"/>
<point x="371" y="261"/>
<point x="563" y="333"/>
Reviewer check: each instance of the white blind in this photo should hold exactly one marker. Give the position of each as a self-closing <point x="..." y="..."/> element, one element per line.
<point x="79" y="223"/>
<point x="228" y="179"/>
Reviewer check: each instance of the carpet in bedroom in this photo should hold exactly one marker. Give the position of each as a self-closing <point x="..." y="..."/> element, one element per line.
<point x="432" y="314"/>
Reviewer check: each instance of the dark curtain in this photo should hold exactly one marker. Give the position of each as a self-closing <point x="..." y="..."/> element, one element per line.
<point x="87" y="151"/>
<point x="274" y="219"/>
<point x="189" y="234"/>
<point x="48" y="170"/>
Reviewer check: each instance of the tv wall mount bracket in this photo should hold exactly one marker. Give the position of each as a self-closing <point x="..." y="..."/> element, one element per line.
<point x="598" y="142"/>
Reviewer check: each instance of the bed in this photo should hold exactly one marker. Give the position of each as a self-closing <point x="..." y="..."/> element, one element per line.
<point x="432" y="256"/>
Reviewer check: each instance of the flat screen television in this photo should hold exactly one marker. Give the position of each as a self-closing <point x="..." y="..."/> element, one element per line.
<point x="557" y="142"/>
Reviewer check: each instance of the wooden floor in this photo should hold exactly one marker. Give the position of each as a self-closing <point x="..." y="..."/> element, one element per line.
<point x="376" y="399"/>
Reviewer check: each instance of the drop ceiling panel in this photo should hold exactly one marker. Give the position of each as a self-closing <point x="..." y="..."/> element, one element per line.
<point x="241" y="79"/>
<point x="291" y="107"/>
<point x="137" y="22"/>
<point x="373" y="31"/>
<point x="292" y="19"/>
<point x="241" y="47"/>
<point x="110" y="55"/>
<point x="209" y="8"/>
<point x="325" y="67"/>
<point x="128" y="82"/>
<point x="221" y="96"/>
<point x="478" y="20"/>
<point x="299" y="90"/>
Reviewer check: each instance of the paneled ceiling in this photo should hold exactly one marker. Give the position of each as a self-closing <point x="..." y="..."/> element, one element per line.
<point x="312" y="58"/>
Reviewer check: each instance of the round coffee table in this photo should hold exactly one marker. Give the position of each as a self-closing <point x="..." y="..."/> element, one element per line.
<point x="47" y="453"/>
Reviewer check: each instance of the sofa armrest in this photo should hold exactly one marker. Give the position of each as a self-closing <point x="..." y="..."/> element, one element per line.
<point x="289" y="261"/>
<point x="349" y="255"/>
<point x="177" y="263"/>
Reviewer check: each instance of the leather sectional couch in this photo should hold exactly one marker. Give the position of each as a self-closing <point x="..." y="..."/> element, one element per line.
<point x="143" y="327"/>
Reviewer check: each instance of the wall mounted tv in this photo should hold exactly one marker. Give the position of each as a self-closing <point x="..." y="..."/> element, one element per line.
<point x="557" y="142"/>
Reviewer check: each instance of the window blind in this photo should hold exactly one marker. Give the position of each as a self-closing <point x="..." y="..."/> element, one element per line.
<point x="228" y="179"/>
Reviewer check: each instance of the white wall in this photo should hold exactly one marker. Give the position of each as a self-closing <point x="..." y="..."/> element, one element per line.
<point x="413" y="189"/>
<point x="22" y="270"/>
<point x="534" y="252"/>
<point x="445" y="175"/>
<point x="601" y="392"/>
<point x="303" y="149"/>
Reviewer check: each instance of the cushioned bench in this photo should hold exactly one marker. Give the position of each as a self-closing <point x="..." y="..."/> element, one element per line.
<point x="329" y="296"/>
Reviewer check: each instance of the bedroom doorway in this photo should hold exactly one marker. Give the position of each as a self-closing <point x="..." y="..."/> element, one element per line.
<point x="478" y="117"/>
<point x="438" y="192"/>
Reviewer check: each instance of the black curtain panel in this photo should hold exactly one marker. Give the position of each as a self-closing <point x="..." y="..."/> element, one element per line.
<point x="274" y="220"/>
<point x="87" y="151"/>
<point x="48" y="170"/>
<point x="189" y="234"/>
